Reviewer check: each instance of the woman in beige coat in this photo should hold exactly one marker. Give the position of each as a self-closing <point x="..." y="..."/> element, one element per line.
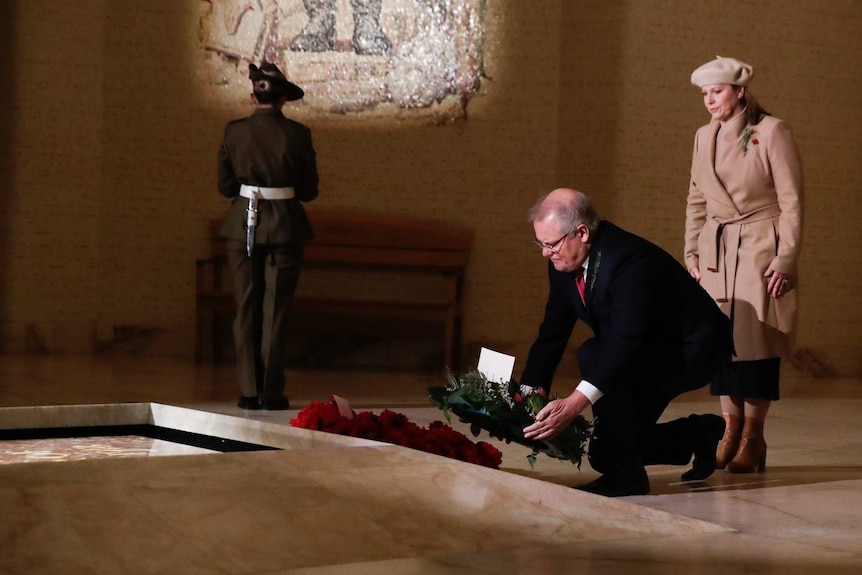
<point x="742" y="239"/>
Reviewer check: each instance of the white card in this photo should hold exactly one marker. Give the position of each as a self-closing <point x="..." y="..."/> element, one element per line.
<point x="496" y="366"/>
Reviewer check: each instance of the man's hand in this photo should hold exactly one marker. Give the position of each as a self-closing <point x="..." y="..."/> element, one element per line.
<point x="556" y="416"/>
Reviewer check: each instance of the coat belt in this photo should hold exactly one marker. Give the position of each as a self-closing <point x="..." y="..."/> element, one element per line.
<point x="726" y="232"/>
<point x="246" y="191"/>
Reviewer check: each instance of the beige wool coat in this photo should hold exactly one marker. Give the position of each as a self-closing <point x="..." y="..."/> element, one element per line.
<point x="743" y="216"/>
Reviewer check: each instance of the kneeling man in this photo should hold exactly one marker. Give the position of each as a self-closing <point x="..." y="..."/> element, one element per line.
<point x="657" y="334"/>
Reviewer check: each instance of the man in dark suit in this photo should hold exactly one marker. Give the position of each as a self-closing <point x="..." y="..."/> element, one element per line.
<point x="657" y="334"/>
<point x="269" y="159"/>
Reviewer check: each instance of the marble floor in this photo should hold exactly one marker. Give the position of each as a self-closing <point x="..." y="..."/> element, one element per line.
<point x="338" y="505"/>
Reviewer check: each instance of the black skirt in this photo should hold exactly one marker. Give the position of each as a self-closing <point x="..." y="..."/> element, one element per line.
<point x="757" y="379"/>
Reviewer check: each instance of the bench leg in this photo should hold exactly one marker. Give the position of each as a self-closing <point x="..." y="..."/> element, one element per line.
<point x="452" y="351"/>
<point x="202" y="330"/>
<point x="199" y="334"/>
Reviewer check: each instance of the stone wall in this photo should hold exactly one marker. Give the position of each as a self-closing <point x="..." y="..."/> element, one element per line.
<point x="111" y="130"/>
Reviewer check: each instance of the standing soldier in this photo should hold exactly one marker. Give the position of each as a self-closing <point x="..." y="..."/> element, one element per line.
<point x="267" y="166"/>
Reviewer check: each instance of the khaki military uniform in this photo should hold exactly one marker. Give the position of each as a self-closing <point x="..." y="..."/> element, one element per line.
<point x="268" y="150"/>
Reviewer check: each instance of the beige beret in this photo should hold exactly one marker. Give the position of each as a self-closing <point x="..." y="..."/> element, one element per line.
<point x="723" y="71"/>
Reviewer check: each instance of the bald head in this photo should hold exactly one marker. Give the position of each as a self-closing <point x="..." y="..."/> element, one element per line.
<point x="564" y="195"/>
<point x="567" y="208"/>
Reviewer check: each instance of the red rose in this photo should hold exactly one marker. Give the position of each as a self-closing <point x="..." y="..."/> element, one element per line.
<point x="318" y="416"/>
<point x="391" y="427"/>
<point x="490" y="456"/>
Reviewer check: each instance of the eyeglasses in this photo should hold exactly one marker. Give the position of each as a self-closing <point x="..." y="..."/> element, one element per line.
<point x="554" y="247"/>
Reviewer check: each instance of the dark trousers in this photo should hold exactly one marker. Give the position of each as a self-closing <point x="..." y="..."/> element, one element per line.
<point x="263" y="288"/>
<point x="627" y="434"/>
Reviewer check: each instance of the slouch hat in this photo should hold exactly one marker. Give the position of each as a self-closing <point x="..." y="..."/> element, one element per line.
<point x="268" y="78"/>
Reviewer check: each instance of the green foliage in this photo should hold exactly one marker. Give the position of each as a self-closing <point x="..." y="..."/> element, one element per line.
<point x="504" y="410"/>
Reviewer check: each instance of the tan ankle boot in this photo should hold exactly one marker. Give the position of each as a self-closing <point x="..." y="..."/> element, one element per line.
<point x="729" y="444"/>
<point x="751" y="455"/>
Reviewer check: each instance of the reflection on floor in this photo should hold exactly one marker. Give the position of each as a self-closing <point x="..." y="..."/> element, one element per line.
<point x="354" y="508"/>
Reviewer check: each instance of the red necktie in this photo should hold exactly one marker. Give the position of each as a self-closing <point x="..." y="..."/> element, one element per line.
<point x="579" y="281"/>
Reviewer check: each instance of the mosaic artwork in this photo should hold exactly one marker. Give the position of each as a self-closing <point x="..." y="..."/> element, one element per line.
<point x="355" y="58"/>
<point x="80" y="448"/>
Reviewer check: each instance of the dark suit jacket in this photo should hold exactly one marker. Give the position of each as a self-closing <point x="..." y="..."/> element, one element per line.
<point x="266" y="149"/>
<point x="651" y="320"/>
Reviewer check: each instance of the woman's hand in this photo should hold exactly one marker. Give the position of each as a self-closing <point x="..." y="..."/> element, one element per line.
<point x="556" y="416"/>
<point x="777" y="283"/>
<point x="695" y="273"/>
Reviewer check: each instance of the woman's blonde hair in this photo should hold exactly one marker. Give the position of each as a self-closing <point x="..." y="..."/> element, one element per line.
<point x="754" y="112"/>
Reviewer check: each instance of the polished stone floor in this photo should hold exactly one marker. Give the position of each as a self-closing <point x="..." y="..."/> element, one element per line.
<point x="344" y="506"/>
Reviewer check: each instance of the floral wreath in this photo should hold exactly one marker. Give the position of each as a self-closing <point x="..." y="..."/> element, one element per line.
<point x="504" y="410"/>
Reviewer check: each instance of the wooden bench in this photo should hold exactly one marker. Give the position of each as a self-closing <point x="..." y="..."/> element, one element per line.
<point x="359" y="243"/>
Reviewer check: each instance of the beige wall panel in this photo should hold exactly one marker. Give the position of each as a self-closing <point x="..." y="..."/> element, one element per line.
<point x="108" y="153"/>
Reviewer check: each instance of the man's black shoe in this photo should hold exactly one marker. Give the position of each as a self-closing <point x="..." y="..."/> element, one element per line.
<point x="277" y="404"/>
<point x="248" y="402"/>
<point x="710" y="430"/>
<point x="619" y="484"/>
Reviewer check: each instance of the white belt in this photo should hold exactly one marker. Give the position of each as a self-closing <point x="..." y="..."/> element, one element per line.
<point x="266" y="193"/>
